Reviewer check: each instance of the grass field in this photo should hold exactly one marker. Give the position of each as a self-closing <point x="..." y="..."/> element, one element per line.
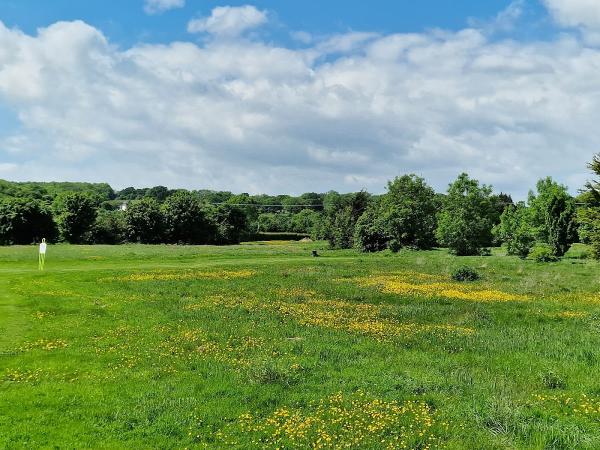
<point x="263" y="346"/>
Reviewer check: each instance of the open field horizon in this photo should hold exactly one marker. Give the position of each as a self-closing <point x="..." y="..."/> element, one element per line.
<point x="263" y="346"/>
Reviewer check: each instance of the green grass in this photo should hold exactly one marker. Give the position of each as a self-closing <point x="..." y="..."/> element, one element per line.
<point x="262" y="345"/>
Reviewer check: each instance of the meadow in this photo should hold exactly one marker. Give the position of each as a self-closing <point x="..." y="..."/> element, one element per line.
<point x="263" y="346"/>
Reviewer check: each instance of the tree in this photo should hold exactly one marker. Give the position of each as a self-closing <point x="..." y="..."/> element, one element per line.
<point x="76" y="214"/>
<point x="464" y="224"/>
<point x="342" y="213"/>
<point x="499" y="203"/>
<point x="24" y="221"/>
<point x="370" y="232"/>
<point x="159" y="193"/>
<point x="407" y="212"/>
<point x="144" y="221"/>
<point x="539" y="204"/>
<point x="304" y="221"/>
<point x="340" y="230"/>
<point x="230" y="223"/>
<point x="274" y="222"/>
<point x="560" y="224"/>
<point x="515" y="230"/>
<point x="186" y="221"/>
<point x="109" y="228"/>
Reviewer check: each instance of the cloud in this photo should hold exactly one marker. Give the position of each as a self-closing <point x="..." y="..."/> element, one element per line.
<point x="575" y="13"/>
<point x="229" y="21"/>
<point x="347" y="112"/>
<point x="504" y="22"/>
<point x="160" y="6"/>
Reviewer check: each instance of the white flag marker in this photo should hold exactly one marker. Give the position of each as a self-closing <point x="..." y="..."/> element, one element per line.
<point x="42" y="255"/>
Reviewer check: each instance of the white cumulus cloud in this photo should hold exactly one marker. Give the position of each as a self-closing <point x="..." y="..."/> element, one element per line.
<point x="229" y="21"/>
<point x="160" y="6"/>
<point x="348" y="112"/>
<point x="575" y="12"/>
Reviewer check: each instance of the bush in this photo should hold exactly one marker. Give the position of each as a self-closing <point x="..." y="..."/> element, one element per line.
<point x="465" y="273"/>
<point x="395" y="246"/>
<point x="543" y="254"/>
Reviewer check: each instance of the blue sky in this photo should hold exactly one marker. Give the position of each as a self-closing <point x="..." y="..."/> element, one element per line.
<point x="126" y="23"/>
<point x="289" y="96"/>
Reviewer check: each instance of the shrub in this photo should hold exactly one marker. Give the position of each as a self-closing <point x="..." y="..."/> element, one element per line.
<point x="543" y="253"/>
<point x="465" y="273"/>
<point x="395" y="245"/>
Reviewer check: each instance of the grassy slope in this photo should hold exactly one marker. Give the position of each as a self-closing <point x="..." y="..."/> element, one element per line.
<point x="90" y="358"/>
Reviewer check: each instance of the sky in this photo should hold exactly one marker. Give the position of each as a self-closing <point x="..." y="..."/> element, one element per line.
<point x="290" y="97"/>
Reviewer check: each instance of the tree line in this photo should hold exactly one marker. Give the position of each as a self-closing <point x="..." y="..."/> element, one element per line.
<point x="468" y="219"/>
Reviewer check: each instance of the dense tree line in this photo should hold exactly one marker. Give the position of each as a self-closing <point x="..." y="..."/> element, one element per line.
<point x="468" y="219"/>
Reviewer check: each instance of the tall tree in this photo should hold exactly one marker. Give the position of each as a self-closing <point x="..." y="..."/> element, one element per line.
<point x="144" y="221"/>
<point x="186" y="221"/>
<point x="76" y="214"/>
<point x="25" y="220"/>
<point x="408" y="212"/>
<point x="515" y="230"/>
<point x="560" y="224"/>
<point x="464" y="224"/>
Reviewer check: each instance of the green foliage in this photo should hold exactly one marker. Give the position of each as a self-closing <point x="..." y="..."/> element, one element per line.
<point x="560" y="224"/>
<point x="499" y="203"/>
<point x="24" y="220"/>
<point x="369" y="232"/>
<point x="464" y="225"/>
<point x="465" y="273"/>
<point x="274" y="222"/>
<point x="593" y="187"/>
<point x="343" y="211"/>
<point x="75" y="215"/>
<point x="515" y="231"/>
<point x="407" y="212"/>
<point x="110" y="228"/>
<point x="543" y="253"/>
<point x="539" y="206"/>
<point x="230" y="223"/>
<point x="589" y="228"/>
<point x="589" y="216"/>
<point x="186" y="221"/>
<point x="304" y="221"/>
<point x="47" y="191"/>
<point x="144" y="221"/>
